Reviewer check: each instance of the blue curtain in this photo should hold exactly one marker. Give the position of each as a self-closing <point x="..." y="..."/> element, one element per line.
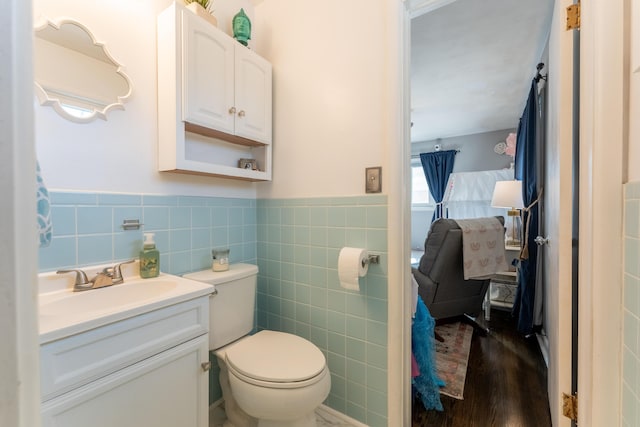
<point x="437" y="167"/>
<point x="526" y="166"/>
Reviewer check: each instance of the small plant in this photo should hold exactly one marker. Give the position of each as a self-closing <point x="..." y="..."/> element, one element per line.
<point x="204" y="3"/>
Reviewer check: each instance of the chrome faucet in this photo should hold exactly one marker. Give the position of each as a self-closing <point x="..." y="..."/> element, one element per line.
<point x="115" y="272"/>
<point x="107" y="277"/>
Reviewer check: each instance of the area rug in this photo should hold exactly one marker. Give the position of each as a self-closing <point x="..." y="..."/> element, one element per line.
<point x="452" y="357"/>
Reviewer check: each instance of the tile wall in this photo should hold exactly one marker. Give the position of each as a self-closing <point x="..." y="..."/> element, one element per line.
<point x="298" y="291"/>
<point x="295" y="242"/>
<point x="631" y="321"/>
<point x="87" y="229"/>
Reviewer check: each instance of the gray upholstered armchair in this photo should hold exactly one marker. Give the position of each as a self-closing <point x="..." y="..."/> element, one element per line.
<point x="440" y="274"/>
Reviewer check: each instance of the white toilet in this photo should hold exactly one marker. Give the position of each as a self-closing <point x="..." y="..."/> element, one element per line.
<point x="270" y="378"/>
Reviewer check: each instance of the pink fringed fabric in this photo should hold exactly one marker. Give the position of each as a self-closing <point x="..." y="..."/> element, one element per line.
<point x="415" y="370"/>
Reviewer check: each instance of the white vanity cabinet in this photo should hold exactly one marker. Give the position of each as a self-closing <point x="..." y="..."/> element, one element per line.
<point x="214" y="100"/>
<point x="147" y="370"/>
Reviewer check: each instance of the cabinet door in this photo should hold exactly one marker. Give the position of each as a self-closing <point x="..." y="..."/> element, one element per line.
<point x="167" y="390"/>
<point x="252" y="95"/>
<point x="207" y="75"/>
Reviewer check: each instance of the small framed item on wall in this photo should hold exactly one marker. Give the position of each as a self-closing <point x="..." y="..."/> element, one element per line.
<point x="373" y="176"/>
<point x="248" y="164"/>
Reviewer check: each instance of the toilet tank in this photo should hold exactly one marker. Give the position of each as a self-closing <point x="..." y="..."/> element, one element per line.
<point x="231" y="309"/>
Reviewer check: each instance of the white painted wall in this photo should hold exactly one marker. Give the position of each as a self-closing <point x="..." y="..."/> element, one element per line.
<point x="476" y="150"/>
<point x="120" y="154"/>
<point x="340" y="105"/>
<point x="331" y="107"/>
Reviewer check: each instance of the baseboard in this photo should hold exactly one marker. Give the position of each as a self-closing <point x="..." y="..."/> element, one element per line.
<point x="216" y="413"/>
<point x="331" y="414"/>
<point x="217" y="403"/>
<point x="323" y="411"/>
<point x="543" y="343"/>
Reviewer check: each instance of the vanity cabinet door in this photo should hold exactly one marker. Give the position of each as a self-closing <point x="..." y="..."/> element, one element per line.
<point x="208" y="67"/>
<point x="167" y="390"/>
<point x="253" y="94"/>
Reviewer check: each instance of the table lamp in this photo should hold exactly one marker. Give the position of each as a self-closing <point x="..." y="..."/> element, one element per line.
<point x="508" y="194"/>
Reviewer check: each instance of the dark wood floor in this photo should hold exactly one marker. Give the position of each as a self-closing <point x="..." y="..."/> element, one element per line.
<point x="506" y="383"/>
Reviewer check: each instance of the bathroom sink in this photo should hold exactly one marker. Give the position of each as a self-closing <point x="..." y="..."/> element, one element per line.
<point x="105" y="299"/>
<point x="63" y="312"/>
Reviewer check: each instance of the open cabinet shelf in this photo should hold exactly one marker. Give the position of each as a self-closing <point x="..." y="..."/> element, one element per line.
<point x="214" y="100"/>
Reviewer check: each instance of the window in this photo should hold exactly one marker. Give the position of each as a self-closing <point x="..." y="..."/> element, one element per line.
<point x="420" y="195"/>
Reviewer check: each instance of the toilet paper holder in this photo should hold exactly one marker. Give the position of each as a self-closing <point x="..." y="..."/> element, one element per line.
<point x="371" y="259"/>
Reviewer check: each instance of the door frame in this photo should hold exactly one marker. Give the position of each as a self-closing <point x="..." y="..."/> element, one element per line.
<point x="19" y="353"/>
<point x="603" y="116"/>
<point x="557" y="254"/>
<point x="399" y="216"/>
<point x="602" y="146"/>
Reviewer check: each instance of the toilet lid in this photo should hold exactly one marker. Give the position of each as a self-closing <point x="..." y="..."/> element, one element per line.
<point x="276" y="357"/>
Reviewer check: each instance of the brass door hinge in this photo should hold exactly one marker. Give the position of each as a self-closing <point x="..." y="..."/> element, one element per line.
<point x="573" y="17"/>
<point x="570" y="406"/>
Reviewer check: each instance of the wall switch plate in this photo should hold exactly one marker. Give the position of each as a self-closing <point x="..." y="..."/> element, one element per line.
<point x="373" y="183"/>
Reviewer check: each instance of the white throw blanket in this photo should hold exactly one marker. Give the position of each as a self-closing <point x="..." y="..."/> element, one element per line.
<point x="482" y="247"/>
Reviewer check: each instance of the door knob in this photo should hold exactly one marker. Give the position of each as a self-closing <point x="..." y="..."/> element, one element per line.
<point x="241" y="113"/>
<point x="541" y="240"/>
<point x="232" y="110"/>
<point x="206" y="366"/>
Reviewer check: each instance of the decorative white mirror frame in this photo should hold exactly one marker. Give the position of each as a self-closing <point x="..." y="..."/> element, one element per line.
<point x="50" y="99"/>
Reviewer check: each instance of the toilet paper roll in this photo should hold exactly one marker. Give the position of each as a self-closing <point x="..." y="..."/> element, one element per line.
<point x="352" y="264"/>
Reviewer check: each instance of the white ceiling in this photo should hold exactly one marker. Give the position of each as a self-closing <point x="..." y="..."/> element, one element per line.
<point x="472" y="62"/>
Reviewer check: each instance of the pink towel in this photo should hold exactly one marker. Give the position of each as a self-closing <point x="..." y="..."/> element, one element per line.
<point x="415" y="370"/>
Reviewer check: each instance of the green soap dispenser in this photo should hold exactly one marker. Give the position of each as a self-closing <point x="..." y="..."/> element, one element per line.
<point x="149" y="258"/>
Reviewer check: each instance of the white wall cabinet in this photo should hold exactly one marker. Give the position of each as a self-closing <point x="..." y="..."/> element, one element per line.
<point x="214" y="100"/>
<point x="147" y="370"/>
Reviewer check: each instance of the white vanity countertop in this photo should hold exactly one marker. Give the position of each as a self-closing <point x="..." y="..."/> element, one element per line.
<point x="63" y="313"/>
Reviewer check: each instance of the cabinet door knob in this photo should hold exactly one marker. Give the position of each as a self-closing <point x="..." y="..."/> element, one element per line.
<point x="241" y="113"/>
<point x="232" y="110"/>
<point x="206" y="366"/>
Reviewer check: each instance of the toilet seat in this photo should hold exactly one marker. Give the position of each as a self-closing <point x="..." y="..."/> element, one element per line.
<point x="277" y="360"/>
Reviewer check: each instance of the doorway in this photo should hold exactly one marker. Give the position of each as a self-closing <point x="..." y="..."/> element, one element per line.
<point x="561" y="325"/>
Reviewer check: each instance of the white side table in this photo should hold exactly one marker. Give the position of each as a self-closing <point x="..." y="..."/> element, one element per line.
<point x="503" y="286"/>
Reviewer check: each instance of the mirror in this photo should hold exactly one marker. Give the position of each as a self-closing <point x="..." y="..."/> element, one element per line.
<point x="75" y="74"/>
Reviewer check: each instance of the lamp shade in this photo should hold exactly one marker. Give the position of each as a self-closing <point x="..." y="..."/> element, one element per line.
<point x="507" y="194"/>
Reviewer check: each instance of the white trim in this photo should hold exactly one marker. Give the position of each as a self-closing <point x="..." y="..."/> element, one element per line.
<point x="422" y="208"/>
<point x="217" y="403"/>
<point x="19" y="355"/>
<point x="420" y="7"/>
<point x="329" y="413"/>
<point x="322" y="411"/>
<point x="602" y="112"/>
<point x="558" y="192"/>
<point x="399" y="219"/>
<point x="543" y="343"/>
<point x="216" y="413"/>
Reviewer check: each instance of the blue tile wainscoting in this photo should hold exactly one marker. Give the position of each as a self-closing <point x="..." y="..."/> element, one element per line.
<point x="631" y="321"/>
<point x="299" y="292"/>
<point x="87" y="229"/>
<point x="295" y="243"/>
